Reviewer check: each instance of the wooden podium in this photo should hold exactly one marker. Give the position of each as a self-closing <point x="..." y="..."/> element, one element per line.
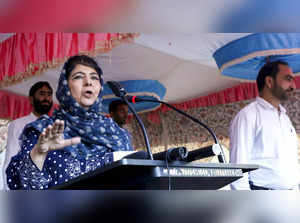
<point x="141" y="174"/>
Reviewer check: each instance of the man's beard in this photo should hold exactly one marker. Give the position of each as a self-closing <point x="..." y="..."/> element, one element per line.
<point x="41" y="108"/>
<point x="280" y="93"/>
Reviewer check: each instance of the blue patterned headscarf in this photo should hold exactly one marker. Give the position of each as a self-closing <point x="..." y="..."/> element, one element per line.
<point x="97" y="132"/>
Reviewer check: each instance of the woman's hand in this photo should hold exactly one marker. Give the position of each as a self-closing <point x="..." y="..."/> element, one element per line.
<point x="50" y="139"/>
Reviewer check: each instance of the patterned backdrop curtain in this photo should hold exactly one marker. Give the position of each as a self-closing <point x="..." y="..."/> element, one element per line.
<point x="175" y="130"/>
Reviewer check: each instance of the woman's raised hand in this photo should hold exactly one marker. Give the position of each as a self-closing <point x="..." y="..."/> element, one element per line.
<point x="52" y="138"/>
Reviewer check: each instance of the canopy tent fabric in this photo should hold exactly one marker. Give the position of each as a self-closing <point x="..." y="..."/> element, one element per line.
<point x="183" y="64"/>
<point x="13" y="106"/>
<point x="27" y="54"/>
<point x="157" y="57"/>
<point x="244" y="57"/>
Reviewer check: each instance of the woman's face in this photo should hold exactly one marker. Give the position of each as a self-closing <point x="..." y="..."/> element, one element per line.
<point x="84" y="84"/>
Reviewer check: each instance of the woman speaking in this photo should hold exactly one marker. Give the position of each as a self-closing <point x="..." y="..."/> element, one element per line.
<point x="75" y="140"/>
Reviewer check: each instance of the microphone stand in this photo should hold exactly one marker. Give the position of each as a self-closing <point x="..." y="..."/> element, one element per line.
<point x="141" y="125"/>
<point x="119" y="91"/>
<point x="221" y="157"/>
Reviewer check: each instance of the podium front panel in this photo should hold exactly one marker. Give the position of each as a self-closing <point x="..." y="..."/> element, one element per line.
<point x="132" y="174"/>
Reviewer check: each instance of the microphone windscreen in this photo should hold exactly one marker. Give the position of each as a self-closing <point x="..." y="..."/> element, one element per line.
<point x="179" y="153"/>
<point x="173" y="154"/>
<point x="115" y="87"/>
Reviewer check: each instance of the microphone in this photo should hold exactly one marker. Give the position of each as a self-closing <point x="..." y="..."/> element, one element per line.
<point x="116" y="88"/>
<point x="212" y="150"/>
<point x="173" y="154"/>
<point x="134" y="99"/>
<point x="119" y="91"/>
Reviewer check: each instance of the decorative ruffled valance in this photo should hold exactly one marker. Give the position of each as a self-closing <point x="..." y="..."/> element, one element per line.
<point x="27" y="54"/>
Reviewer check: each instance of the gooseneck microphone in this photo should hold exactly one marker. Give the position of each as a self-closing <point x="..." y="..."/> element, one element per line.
<point x="173" y="154"/>
<point x="208" y="151"/>
<point x="116" y="88"/>
<point x="119" y="91"/>
<point x="135" y="99"/>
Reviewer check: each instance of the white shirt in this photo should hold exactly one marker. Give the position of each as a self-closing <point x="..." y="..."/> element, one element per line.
<point x="262" y="135"/>
<point x="15" y="129"/>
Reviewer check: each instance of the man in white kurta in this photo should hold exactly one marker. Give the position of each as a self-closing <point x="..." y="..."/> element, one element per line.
<point x="263" y="134"/>
<point x="40" y="96"/>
